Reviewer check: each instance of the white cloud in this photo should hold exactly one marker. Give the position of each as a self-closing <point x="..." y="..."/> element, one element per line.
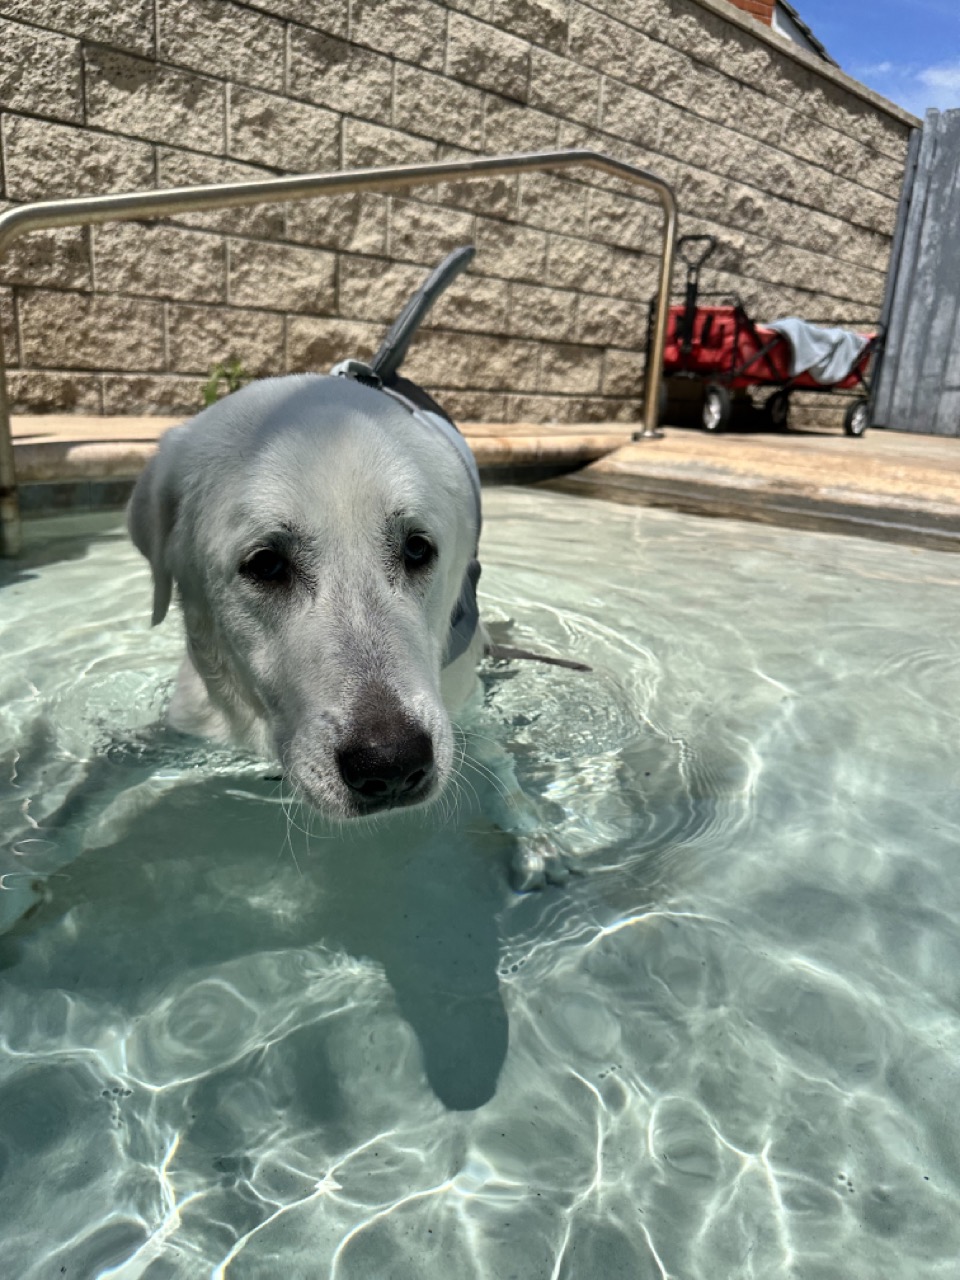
<point x="913" y="87"/>
<point x="875" y="69"/>
<point x="943" y="80"/>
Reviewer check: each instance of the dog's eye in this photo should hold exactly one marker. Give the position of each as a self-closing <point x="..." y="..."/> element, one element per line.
<point x="418" y="552"/>
<point x="268" y="567"/>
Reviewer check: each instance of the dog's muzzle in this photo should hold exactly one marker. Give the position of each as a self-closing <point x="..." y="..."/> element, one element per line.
<point x="385" y="758"/>
<point x="382" y="773"/>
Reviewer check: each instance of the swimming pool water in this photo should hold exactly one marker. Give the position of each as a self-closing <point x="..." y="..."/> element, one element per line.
<point x="231" y="1046"/>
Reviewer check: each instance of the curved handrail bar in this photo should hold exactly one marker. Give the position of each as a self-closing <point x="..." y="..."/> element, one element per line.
<point x="85" y="210"/>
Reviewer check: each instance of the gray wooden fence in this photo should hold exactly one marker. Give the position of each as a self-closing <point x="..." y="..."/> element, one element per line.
<point x="919" y="384"/>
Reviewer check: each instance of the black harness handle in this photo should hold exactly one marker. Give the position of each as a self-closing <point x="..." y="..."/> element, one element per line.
<point x="393" y="349"/>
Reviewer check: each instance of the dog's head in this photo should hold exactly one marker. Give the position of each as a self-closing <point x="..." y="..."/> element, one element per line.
<point x="319" y="535"/>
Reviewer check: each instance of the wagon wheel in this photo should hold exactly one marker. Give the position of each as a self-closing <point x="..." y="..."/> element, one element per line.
<point x="776" y="410"/>
<point x="857" y="418"/>
<point x="717" y="408"/>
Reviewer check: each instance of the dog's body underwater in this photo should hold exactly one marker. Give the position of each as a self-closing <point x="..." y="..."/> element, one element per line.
<point x="322" y="535"/>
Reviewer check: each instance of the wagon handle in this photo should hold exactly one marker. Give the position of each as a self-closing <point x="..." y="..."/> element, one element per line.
<point x="695" y="262"/>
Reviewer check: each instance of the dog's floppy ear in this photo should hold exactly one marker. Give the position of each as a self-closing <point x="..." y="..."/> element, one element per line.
<point x="151" y="516"/>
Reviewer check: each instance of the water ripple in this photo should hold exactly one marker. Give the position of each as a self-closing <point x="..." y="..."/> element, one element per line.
<point x="728" y="1049"/>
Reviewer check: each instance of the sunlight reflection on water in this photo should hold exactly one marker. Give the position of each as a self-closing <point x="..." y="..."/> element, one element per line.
<point x="729" y="1048"/>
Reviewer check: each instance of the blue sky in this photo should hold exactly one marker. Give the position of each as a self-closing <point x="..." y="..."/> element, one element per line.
<point x="908" y="50"/>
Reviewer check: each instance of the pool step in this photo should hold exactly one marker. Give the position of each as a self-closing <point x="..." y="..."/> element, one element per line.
<point x="73" y="463"/>
<point x="890" y="485"/>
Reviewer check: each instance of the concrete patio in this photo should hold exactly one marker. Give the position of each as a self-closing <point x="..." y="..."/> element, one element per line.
<point x="886" y="485"/>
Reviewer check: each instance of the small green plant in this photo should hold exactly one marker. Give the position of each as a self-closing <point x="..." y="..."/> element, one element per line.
<point x="229" y="372"/>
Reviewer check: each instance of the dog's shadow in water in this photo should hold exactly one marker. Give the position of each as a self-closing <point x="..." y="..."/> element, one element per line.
<point x="206" y="876"/>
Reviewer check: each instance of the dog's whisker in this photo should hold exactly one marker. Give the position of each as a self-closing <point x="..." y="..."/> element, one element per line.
<point x="462" y="783"/>
<point x="488" y="775"/>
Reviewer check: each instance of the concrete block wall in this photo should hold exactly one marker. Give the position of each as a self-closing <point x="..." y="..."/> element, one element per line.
<point x="796" y="169"/>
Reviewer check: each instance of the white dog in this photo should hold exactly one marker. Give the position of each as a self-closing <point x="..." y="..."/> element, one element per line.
<point x="322" y="531"/>
<point x="323" y="537"/>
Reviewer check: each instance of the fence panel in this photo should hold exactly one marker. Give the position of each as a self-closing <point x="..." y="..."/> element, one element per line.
<point x="919" y="384"/>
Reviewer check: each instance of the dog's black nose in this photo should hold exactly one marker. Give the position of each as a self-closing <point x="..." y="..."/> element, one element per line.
<point x="387" y="770"/>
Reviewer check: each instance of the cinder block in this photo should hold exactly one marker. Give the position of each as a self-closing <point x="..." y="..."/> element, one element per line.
<point x="552" y="203"/>
<point x="222" y="39"/>
<point x="475" y="406"/>
<point x="570" y="369"/>
<point x="267" y="129"/>
<point x="127" y="26"/>
<point x="684" y="137"/>
<point x="353" y="223"/>
<point x="482" y="55"/>
<point x="412" y="30"/>
<point x="367" y="144"/>
<point x="709" y="195"/>
<point x="495" y="197"/>
<point x="377" y="290"/>
<point x="476" y="8"/>
<point x="159" y="261"/>
<point x="58" y="257"/>
<point x="591" y="267"/>
<point x="849" y="158"/>
<point x="187" y="169"/>
<point x="40" y="72"/>
<point x="435" y="107"/>
<point x="839" y="109"/>
<point x="80" y="331"/>
<point x="509" y="250"/>
<point x="49" y="391"/>
<point x="782" y="264"/>
<point x="536" y="312"/>
<point x="620" y="220"/>
<point x="473" y="304"/>
<point x="564" y="88"/>
<point x="881" y="172"/>
<point x="545" y="408"/>
<point x="701" y="34"/>
<point x="44" y="161"/>
<point x="630" y="114"/>
<point x="751" y="111"/>
<point x="664" y="73"/>
<point x="866" y="248"/>
<point x="280" y="277"/>
<point x="153" y="395"/>
<point x="650" y="16"/>
<point x="333" y="73"/>
<point x="474" y="363"/>
<point x="507" y="127"/>
<point x="425" y="233"/>
<point x="643" y="157"/>
<point x="623" y="373"/>
<point x="600" y="42"/>
<point x="744" y="57"/>
<point x="330" y="16"/>
<point x="8" y="329"/>
<point x="611" y="321"/>
<point x="373" y="288"/>
<point x="140" y="98"/>
<point x="542" y="22"/>
<point x="314" y="344"/>
<point x="200" y="337"/>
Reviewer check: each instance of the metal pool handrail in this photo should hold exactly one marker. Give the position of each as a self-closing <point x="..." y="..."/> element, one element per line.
<point x="85" y="210"/>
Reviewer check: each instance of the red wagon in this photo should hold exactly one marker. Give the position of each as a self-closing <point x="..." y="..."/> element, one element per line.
<point x="723" y="347"/>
